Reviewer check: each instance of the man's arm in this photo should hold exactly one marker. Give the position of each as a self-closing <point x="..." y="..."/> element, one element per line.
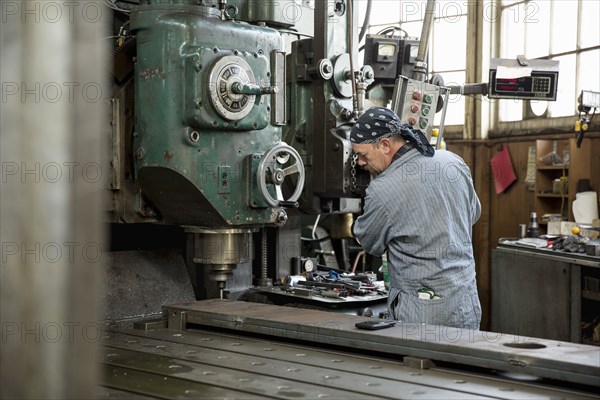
<point x="371" y="229"/>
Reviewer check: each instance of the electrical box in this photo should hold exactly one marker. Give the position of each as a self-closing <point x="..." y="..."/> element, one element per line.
<point x="523" y="79"/>
<point x="390" y="56"/>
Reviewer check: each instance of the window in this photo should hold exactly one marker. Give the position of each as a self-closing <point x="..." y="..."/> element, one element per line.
<point x="563" y="30"/>
<point x="447" y="42"/>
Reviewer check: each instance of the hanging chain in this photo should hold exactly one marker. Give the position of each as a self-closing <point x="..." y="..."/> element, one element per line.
<point x="353" y="172"/>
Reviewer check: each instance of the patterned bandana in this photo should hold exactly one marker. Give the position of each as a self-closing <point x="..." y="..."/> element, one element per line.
<point x="378" y="123"/>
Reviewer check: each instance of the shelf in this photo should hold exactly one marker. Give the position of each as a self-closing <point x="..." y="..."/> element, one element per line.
<point x="552" y="167"/>
<point x="553" y="195"/>
<point x="588" y="294"/>
<point x="584" y="163"/>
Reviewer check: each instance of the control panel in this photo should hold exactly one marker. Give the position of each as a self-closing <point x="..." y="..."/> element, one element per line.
<point x="527" y="87"/>
<point x="523" y="79"/>
<point x="415" y="103"/>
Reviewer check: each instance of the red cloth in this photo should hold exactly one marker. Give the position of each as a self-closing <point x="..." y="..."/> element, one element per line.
<point x="502" y="170"/>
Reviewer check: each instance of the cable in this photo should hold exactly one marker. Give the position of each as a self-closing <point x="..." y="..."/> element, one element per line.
<point x="315" y="226"/>
<point x="351" y="51"/>
<point x="305" y="239"/>
<point x="111" y="4"/>
<point x="355" y="264"/>
<point x="292" y="32"/>
<point x="384" y="31"/>
<point x="365" y="23"/>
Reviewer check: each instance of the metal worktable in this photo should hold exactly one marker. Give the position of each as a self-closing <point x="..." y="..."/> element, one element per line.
<point x="229" y="349"/>
<point x="541" y="293"/>
<point x="552" y="255"/>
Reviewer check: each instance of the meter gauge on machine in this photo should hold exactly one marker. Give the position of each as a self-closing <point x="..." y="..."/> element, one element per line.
<point x="309" y="265"/>
<point x="386" y="50"/>
<point x="226" y="72"/>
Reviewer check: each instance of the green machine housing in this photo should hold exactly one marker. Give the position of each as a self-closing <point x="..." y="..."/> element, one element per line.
<point x="209" y="105"/>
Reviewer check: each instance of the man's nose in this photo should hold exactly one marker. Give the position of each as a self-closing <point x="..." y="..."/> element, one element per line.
<point x="361" y="162"/>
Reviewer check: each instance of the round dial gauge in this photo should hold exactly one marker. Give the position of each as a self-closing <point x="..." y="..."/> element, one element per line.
<point x="309" y="266"/>
<point x="227" y="71"/>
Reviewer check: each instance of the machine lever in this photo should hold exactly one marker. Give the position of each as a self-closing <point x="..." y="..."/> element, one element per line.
<point x="248" y="88"/>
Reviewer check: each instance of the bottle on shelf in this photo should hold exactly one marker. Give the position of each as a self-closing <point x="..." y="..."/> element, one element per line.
<point x="533" y="229"/>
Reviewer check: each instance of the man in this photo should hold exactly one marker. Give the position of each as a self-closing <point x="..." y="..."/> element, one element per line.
<point x="419" y="207"/>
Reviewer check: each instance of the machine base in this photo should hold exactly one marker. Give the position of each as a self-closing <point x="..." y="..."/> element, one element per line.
<point x="220" y="348"/>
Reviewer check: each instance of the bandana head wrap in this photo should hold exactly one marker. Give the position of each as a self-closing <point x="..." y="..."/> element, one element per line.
<point x="378" y="123"/>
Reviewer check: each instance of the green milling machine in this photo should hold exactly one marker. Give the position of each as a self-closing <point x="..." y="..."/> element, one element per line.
<point x="233" y="125"/>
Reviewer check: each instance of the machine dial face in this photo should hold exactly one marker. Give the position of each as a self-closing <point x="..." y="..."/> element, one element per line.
<point x="227" y="71"/>
<point x="309" y="266"/>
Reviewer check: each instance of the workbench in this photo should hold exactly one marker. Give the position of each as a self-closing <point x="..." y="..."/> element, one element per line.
<point x="541" y="293"/>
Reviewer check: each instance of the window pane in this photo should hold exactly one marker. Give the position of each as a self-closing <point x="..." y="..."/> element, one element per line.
<point x="383" y="12"/>
<point x="564" y="26"/>
<point x="360" y="7"/>
<point x="511" y="110"/>
<point x="589" y="65"/>
<point x="537" y="29"/>
<point x="538" y="107"/>
<point x="455" y="112"/>
<point x="448" y="10"/>
<point x="590" y="33"/>
<point x="413" y="28"/>
<point x="450" y="44"/>
<point x="411" y="10"/>
<point x="566" y="99"/>
<point x="513" y="33"/>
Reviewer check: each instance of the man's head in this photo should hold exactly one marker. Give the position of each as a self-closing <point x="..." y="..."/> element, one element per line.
<point x="376" y="157"/>
<point x="374" y="139"/>
<point x="378" y="134"/>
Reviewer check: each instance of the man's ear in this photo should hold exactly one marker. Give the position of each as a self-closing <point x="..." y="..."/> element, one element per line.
<point x="385" y="142"/>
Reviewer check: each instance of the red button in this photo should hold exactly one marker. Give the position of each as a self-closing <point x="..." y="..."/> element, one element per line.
<point x="416" y="96"/>
<point x="412" y="120"/>
<point x="414" y="108"/>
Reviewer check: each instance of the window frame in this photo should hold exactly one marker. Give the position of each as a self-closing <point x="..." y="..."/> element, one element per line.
<point x="454" y="130"/>
<point x="531" y="124"/>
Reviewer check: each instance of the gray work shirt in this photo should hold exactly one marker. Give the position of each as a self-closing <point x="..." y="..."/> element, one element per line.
<point x="421" y="210"/>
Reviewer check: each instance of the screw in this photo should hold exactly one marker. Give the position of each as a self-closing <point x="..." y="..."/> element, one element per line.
<point x="281" y="218"/>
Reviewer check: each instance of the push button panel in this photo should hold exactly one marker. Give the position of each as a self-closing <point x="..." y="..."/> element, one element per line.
<point x="418" y="111"/>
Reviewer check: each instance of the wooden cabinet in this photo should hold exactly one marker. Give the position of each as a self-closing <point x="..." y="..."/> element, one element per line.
<point x="560" y="164"/>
